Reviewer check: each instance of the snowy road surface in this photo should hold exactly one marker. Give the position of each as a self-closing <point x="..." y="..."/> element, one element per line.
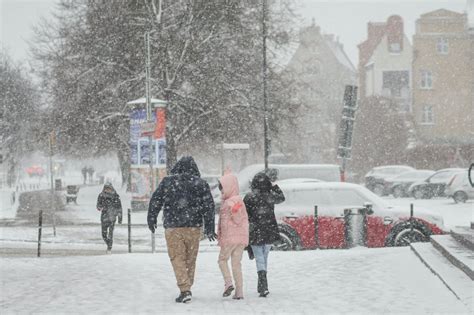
<point x="389" y="280"/>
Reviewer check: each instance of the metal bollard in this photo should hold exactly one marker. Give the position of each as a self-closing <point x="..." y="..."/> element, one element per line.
<point x="355" y="220"/>
<point x="40" y="225"/>
<point x="316" y="228"/>
<point x="153" y="243"/>
<point x="129" y="216"/>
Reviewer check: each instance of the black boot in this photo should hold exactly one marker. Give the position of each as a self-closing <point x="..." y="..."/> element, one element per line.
<point x="265" y="285"/>
<point x="184" y="297"/>
<point x="262" y="286"/>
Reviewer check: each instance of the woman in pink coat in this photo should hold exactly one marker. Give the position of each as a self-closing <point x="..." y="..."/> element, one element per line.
<point x="233" y="234"/>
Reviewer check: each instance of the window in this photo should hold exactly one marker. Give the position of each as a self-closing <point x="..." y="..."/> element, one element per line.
<point x="426" y="79"/>
<point x="442" y="46"/>
<point x="427" y="115"/>
<point x="395" y="48"/>
<point x="395" y="81"/>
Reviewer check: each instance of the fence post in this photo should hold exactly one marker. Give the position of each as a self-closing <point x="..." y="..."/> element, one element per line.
<point x="411" y="217"/>
<point x="129" y="216"/>
<point x="40" y="224"/>
<point x="316" y="228"/>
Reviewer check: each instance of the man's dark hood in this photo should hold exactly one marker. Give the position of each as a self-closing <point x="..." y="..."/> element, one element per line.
<point x="186" y="165"/>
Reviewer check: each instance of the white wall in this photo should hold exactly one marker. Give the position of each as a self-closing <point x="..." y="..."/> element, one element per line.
<point x="383" y="60"/>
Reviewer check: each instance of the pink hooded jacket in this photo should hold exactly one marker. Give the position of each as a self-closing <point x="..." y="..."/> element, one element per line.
<point x="233" y="226"/>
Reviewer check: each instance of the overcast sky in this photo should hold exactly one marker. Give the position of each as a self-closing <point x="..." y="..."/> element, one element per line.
<point x="344" y="18"/>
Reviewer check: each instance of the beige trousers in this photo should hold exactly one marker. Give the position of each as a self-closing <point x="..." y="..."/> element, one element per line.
<point x="183" y="247"/>
<point x="234" y="252"/>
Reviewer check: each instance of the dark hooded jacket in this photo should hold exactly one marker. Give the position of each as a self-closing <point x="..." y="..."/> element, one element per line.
<point x="109" y="205"/>
<point x="185" y="198"/>
<point x="260" y="204"/>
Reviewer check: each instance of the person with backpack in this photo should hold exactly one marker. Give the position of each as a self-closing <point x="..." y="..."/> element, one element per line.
<point x="233" y="235"/>
<point x="186" y="202"/>
<point x="110" y="206"/>
<point x="263" y="228"/>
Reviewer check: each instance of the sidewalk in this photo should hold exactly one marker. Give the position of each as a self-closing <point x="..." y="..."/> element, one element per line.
<point x="363" y="281"/>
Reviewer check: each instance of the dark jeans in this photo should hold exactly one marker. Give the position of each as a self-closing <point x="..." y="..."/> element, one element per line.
<point x="108" y="233"/>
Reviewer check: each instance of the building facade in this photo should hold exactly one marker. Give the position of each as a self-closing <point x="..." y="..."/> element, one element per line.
<point x="319" y="69"/>
<point x="443" y="79"/>
<point x="385" y="60"/>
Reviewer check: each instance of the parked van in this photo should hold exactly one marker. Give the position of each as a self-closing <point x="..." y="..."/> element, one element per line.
<point x="322" y="172"/>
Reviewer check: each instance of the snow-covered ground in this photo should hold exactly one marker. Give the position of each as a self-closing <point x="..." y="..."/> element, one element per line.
<point x="376" y="281"/>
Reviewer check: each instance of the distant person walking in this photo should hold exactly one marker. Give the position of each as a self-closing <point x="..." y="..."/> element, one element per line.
<point x="233" y="234"/>
<point x="186" y="202"/>
<point x="84" y="174"/>
<point x="90" y="171"/>
<point x="108" y="203"/>
<point x="260" y="204"/>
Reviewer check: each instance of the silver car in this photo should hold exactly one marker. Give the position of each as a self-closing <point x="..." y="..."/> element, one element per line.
<point x="459" y="188"/>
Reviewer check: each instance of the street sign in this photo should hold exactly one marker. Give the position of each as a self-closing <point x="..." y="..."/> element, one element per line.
<point x="147" y="128"/>
<point x="235" y="146"/>
<point x="347" y="122"/>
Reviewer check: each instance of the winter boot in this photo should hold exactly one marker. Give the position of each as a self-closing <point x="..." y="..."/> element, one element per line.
<point x="265" y="291"/>
<point x="228" y="290"/>
<point x="260" y="284"/>
<point x="184" y="297"/>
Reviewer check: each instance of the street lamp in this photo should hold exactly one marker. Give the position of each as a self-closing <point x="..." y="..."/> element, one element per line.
<point x="265" y="118"/>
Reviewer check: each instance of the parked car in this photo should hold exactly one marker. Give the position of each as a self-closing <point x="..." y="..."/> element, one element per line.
<point x="323" y="172"/>
<point x="35" y="170"/>
<point x="278" y="172"/>
<point x="296" y="181"/>
<point x="459" y="187"/>
<point x="375" y="178"/>
<point x="387" y="226"/>
<point x="398" y="186"/>
<point x="434" y="185"/>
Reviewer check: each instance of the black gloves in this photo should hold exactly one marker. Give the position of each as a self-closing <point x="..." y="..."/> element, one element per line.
<point x="212" y="236"/>
<point x="152" y="227"/>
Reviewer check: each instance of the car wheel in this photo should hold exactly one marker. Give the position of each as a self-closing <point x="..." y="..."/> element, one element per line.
<point x="378" y="190"/>
<point x="418" y="194"/>
<point x="397" y="192"/>
<point x="460" y="197"/>
<point x="403" y="234"/>
<point x="289" y="240"/>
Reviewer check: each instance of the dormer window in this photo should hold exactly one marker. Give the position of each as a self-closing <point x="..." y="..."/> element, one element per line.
<point x="395" y="48"/>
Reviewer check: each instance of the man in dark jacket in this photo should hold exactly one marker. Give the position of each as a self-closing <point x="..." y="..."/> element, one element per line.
<point x="263" y="227"/>
<point x="108" y="203"/>
<point x="186" y="201"/>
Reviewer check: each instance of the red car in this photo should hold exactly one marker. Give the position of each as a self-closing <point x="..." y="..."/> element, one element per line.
<point x="35" y="170"/>
<point x="386" y="226"/>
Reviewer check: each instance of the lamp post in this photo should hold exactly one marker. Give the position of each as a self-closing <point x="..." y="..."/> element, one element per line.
<point x="148" y="107"/>
<point x="264" y="70"/>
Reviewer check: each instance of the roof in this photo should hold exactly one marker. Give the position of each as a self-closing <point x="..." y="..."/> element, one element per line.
<point x="340" y="54"/>
<point x="441" y="13"/>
